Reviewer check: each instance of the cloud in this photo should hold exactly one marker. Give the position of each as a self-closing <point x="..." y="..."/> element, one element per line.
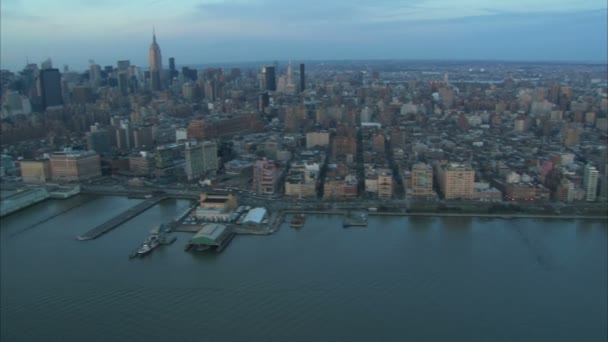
<point x="215" y="30"/>
<point x="362" y="11"/>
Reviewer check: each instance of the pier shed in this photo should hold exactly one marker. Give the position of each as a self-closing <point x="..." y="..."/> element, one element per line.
<point x="211" y="235"/>
<point x="255" y="216"/>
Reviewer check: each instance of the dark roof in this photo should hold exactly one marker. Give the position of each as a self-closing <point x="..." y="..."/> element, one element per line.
<point x="215" y="200"/>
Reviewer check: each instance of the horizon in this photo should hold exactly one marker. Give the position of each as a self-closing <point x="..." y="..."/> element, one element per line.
<point x="207" y="31"/>
<point x="252" y="63"/>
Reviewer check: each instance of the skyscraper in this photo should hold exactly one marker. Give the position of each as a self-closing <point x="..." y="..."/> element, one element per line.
<point x="289" y="74"/>
<point x="172" y="71"/>
<point x="95" y="75"/>
<point x="123" y="83"/>
<point x="155" y="64"/>
<point x="123" y="65"/>
<point x="270" y="82"/>
<point x="302" y="78"/>
<point x="50" y="86"/>
<point x="590" y="182"/>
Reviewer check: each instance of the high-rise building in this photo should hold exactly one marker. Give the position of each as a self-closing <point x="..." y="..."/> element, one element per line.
<point x="210" y="162"/>
<point x="302" y="78"/>
<point x="99" y="141"/>
<point x="289" y="75"/>
<point x="604" y="187"/>
<point x="265" y="177"/>
<point x="156" y="67"/>
<point x="47" y="64"/>
<point x="385" y="184"/>
<point x="270" y="82"/>
<point x="201" y="158"/>
<point x="95" y="75"/>
<point x="422" y="181"/>
<point x="172" y="71"/>
<point x="194" y="161"/>
<point x="590" y="183"/>
<point x="456" y="181"/>
<point x="123" y="65"/>
<point x="123" y="83"/>
<point x="82" y="94"/>
<point x="263" y="101"/>
<point x="50" y="87"/>
<point x="143" y="137"/>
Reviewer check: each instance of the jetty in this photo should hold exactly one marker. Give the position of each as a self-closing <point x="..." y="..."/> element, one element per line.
<point x="121" y="218"/>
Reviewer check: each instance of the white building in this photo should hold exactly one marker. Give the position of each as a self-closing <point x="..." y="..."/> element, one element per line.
<point x="590" y="183"/>
<point x="255" y="216"/>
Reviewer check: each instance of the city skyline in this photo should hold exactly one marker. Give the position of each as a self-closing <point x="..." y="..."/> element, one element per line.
<point x="237" y="31"/>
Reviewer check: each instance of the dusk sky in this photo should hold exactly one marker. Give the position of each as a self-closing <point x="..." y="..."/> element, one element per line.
<point x="212" y="31"/>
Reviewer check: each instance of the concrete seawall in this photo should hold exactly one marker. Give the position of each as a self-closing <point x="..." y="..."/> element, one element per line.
<point x="502" y="216"/>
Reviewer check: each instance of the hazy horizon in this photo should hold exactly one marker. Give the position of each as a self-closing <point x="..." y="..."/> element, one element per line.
<point x="238" y="31"/>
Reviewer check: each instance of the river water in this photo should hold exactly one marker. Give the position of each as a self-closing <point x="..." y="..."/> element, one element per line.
<point x="399" y="279"/>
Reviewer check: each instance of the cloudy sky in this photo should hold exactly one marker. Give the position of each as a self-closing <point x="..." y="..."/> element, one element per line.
<point x="206" y="31"/>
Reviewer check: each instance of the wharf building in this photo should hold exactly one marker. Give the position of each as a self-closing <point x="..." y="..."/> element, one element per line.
<point x="75" y="165"/>
<point x="35" y="171"/>
<point x="212" y="235"/>
<point x="216" y="207"/>
<point x="456" y="180"/>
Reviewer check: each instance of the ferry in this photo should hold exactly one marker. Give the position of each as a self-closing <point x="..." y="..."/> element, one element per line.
<point x="297" y="221"/>
<point x="357" y="220"/>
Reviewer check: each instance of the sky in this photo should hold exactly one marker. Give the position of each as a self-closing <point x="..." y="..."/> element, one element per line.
<point x="72" y="32"/>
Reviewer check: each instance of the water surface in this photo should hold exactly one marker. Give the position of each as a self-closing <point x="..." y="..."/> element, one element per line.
<point x="431" y="279"/>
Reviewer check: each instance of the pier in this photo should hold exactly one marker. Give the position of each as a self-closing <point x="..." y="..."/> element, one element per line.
<point x="121" y="218"/>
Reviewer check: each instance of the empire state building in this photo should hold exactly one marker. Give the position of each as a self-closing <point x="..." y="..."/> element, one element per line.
<point x="156" y="67"/>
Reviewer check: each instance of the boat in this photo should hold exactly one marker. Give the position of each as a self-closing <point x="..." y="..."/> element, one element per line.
<point x="144" y="249"/>
<point x="357" y="220"/>
<point x="151" y="242"/>
<point x="297" y="221"/>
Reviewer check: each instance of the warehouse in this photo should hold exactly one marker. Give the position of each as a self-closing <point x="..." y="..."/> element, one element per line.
<point x="255" y="216"/>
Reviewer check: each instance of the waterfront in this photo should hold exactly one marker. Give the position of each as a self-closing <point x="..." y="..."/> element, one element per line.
<point x="414" y="278"/>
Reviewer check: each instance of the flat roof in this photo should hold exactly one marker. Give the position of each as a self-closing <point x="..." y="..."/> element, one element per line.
<point x="215" y="200"/>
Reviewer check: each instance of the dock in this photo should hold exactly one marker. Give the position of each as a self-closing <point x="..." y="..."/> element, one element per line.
<point x="120" y="218"/>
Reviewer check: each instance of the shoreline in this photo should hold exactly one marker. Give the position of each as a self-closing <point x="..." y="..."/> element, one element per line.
<point x="499" y="216"/>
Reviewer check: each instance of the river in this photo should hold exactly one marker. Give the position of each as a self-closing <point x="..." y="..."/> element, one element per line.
<point x="399" y="279"/>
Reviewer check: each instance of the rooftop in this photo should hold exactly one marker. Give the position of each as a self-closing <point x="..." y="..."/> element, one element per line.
<point x="255" y="216"/>
<point x="209" y="234"/>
